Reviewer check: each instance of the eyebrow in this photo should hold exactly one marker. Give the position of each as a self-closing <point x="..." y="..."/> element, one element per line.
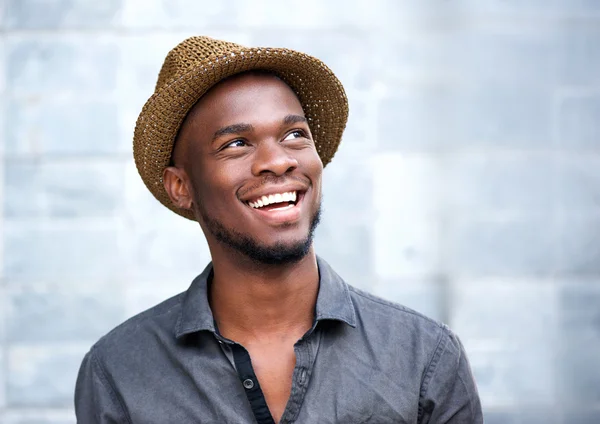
<point x="293" y="119"/>
<point x="242" y="127"/>
<point x="232" y="129"/>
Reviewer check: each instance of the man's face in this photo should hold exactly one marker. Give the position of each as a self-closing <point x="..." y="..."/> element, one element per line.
<point x="254" y="172"/>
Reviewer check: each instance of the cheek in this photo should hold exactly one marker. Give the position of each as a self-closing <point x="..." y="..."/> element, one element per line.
<point x="207" y="191"/>
<point x="215" y="189"/>
<point x="314" y="168"/>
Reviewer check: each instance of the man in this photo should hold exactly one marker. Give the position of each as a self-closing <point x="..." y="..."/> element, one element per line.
<point x="236" y="138"/>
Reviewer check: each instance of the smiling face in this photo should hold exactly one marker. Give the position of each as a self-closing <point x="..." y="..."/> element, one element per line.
<point x="246" y="164"/>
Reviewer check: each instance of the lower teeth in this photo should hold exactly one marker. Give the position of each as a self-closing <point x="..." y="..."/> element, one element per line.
<point x="283" y="207"/>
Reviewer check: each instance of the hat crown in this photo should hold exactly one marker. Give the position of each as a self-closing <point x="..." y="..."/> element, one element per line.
<point x="189" y="53"/>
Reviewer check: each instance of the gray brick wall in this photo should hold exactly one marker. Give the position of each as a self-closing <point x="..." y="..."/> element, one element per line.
<point x="467" y="185"/>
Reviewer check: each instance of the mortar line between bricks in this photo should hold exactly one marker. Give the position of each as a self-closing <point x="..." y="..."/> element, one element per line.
<point x="31" y="412"/>
<point x="38" y="158"/>
<point x="150" y="31"/>
<point x="3" y="349"/>
<point x="410" y="21"/>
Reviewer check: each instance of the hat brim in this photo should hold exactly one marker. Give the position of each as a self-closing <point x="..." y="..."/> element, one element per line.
<point x="321" y="95"/>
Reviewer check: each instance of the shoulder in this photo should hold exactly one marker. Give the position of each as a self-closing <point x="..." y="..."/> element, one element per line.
<point x="137" y="331"/>
<point x="370" y="304"/>
<point x="391" y="319"/>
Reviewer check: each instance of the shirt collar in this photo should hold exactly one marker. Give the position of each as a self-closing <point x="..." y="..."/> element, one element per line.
<point x="333" y="302"/>
<point x="196" y="314"/>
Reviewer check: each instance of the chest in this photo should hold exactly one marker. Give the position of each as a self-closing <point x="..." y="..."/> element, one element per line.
<point x="274" y="366"/>
<point x="317" y="383"/>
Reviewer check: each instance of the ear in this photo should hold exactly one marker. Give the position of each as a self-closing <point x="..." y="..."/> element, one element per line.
<point x="177" y="186"/>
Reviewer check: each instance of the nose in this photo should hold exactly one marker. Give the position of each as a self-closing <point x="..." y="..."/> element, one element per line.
<point x="273" y="158"/>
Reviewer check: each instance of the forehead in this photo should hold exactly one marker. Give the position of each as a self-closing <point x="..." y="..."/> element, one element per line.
<point x="257" y="96"/>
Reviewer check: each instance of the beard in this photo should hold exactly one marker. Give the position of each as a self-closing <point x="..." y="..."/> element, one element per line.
<point x="276" y="254"/>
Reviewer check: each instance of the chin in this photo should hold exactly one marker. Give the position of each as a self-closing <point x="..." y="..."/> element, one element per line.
<point x="288" y="247"/>
<point x="281" y="254"/>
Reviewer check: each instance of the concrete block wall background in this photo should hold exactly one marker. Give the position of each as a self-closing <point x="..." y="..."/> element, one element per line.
<point x="467" y="185"/>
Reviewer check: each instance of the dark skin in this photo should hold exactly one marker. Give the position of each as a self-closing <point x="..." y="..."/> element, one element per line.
<point x="245" y="138"/>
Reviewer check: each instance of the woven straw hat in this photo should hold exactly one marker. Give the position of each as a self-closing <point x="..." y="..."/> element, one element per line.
<point x="197" y="64"/>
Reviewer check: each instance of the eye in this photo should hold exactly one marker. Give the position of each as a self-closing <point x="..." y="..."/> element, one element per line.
<point x="295" y="134"/>
<point x="235" y="143"/>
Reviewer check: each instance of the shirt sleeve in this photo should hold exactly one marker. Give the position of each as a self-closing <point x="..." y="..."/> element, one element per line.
<point x="448" y="392"/>
<point x="96" y="401"/>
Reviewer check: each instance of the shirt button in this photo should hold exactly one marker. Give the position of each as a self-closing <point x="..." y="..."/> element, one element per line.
<point x="248" y="384"/>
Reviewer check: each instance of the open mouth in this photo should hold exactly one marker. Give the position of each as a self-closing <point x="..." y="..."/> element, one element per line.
<point x="276" y="201"/>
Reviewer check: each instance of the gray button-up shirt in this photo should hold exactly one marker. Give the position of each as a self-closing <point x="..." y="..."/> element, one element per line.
<point x="365" y="360"/>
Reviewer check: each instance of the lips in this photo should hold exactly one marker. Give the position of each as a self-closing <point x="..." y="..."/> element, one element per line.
<point x="279" y="199"/>
<point x="278" y="207"/>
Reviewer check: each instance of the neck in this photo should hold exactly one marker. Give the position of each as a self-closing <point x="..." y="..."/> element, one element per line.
<point x="252" y="301"/>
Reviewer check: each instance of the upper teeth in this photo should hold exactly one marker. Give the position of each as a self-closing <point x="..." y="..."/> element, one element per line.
<point x="289" y="196"/>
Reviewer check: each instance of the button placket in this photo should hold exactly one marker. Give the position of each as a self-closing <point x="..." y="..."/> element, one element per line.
<point x="251" y="385"/>
<point x="302" y="375"/>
